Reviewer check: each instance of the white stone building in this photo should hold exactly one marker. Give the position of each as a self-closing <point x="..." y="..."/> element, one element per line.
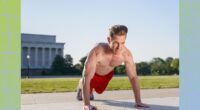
<point x="42" y="50"/>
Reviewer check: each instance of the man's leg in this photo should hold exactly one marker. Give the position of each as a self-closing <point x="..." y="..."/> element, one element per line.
<point x="79" y="91"/>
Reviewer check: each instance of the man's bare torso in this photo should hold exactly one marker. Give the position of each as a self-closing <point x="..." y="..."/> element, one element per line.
<point x="106" y="59"/>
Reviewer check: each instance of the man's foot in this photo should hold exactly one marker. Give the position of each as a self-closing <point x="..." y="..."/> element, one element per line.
<point x="79" y="95"/>
<point x="92" y="96"/>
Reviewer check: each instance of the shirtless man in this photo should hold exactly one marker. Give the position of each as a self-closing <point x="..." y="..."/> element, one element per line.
<point x="100" y="64"/>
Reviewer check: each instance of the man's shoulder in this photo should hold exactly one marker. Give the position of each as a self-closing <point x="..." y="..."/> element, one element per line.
<point x="127" y="55"/>
<point x="127" y="52"/>
<point x="100" y="46"/>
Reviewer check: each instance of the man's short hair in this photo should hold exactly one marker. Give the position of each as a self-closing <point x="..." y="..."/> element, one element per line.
<point x="118" y="30"/>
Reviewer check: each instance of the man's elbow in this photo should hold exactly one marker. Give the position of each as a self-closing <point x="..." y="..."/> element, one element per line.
<point x="133" y="78"/>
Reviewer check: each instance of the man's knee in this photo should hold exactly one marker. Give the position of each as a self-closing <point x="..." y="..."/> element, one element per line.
<point x="80" y="83"/>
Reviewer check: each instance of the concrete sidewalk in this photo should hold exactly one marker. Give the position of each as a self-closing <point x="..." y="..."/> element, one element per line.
<point x="158" y="99"/>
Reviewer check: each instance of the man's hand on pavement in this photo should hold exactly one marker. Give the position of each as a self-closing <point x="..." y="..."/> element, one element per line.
<point x="89" y="107"/>
<point x="141" y="105"/>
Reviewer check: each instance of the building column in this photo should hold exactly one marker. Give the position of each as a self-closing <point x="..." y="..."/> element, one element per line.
<point x="62" y="52"/>
<point x="56" y="51"/>
<point x="43" y="57"/>
<point x="36" y="57"/>
<point x="50" y="57"/>
<point x="28" y="53"/>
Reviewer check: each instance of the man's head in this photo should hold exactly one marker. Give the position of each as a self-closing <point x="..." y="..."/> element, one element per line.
<point x="117" y="37"/>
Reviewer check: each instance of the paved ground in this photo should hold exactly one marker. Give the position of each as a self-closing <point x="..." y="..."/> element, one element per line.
<point x="158" y="99"/>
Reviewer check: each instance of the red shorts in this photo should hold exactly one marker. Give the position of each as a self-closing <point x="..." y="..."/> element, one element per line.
<point x="99" y="83"/>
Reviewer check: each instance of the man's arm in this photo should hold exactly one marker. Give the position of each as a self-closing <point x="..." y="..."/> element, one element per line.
<point x="88" y="73"/>
<point x="132" y="74"/>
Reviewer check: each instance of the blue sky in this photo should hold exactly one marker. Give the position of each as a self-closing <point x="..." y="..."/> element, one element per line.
<point x="153" y="24"/>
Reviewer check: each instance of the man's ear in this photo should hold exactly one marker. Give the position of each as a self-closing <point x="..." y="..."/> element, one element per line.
<point x="109" y="39"/>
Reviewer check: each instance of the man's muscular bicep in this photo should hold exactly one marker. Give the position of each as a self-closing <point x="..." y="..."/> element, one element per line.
<point x="130" y="65"/>
<point x="90" y="65"/>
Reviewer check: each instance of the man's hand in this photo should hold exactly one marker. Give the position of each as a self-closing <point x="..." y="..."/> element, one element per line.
<point x="89" y="107"/>
<point x="141" y="105"/>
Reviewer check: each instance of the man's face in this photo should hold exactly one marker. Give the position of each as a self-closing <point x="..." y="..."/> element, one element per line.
<point x="117" y="43"/>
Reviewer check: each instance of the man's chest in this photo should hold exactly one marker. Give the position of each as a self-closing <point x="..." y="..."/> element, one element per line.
<point x="110" y="60"/>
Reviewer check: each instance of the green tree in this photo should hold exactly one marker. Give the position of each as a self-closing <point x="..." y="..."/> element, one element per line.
<point x="78" y="67"/>
<point x="82" y="60"/>
<point x="143" y="68"/>
<point x="68" y="61"/>
<point x="175" y="65"/>
<point x="168" y="61"/>
<point x="58" y="66"/>
<point x="120" y="69"/>
<point x="158" y="67"/>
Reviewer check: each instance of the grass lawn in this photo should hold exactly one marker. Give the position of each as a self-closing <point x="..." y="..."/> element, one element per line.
<point x="46" y="85"/>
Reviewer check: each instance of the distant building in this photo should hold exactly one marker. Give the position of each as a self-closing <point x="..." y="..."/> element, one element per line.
<point x="41" y="49"/>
